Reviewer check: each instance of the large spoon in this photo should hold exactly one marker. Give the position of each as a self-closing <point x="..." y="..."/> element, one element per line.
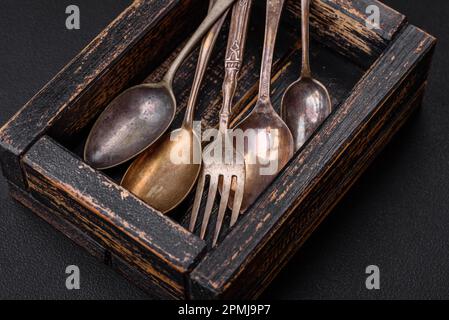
<point x="306" y="103"/>
<point x="164" y="174"/>
<point x="141" y="115"/>
<point x="268" y="143"/>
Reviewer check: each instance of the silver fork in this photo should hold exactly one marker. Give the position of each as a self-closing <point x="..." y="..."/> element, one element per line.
<point x="226" y="169"/>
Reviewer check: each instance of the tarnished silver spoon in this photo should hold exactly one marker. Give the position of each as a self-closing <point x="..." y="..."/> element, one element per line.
<point x="306" y="103"/>
<point x="142" y="114"/>
<point x="268" y="143"/>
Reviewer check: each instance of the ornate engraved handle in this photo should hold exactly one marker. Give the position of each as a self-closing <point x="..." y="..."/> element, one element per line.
<point x="234" y="57"/>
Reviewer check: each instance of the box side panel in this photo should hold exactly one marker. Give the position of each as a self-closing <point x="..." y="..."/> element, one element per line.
<point x="111" y="216"/>
<point x="53" y="217"/>
<point x="272" y="230"/>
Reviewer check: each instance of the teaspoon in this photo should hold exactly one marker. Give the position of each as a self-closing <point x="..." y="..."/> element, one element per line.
<point x="268" y="144"/>
<point x="139" y="116"/>
<point x="164" y="174"/>
<point x="306" y="103"/>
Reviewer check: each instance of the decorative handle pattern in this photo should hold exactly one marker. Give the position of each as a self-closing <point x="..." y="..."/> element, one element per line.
<point x="234" y="57"/>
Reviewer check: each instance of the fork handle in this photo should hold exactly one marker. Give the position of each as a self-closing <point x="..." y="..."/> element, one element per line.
<point x="234" y="58"/>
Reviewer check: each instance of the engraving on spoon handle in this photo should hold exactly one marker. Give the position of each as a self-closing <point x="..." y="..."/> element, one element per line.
<point x="274" y="11"/>
<point x="207" y="47"/>
<point x="214" y="14"/>
<point x="234" y="57"/>
<point x="306" y="71"/>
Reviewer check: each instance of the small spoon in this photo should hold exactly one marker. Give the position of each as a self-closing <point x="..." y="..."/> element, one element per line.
<point x="140" y="115"/>
<point x="306" y="103"/>
<point x="272" y="144"/>
<point x="157" y="176"/>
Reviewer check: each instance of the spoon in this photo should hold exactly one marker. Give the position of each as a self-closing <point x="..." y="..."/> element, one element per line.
<point x="163" y="175"/>
<point x="306" y="103"/>
<point x="268" y="143"/>
<point x="140" y="115"/>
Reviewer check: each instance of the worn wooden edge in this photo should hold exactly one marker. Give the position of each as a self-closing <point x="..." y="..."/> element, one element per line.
<point x="52" y="217"/>
<point x="311" y="216"/>
<point x="231" y="269"/>
<point x="124" y="224"/>
<point x="390" y="19"/>
<point x="342" y="25"/>
<point x="104" y="67"/>
<point x="108" y="236"/>
<point x="82" y="239"/>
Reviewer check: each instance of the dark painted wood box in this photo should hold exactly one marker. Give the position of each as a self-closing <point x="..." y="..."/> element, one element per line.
<point x="376" y="77"/>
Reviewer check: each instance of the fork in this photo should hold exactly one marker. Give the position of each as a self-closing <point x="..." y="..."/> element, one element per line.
<point x="229" y="171"/>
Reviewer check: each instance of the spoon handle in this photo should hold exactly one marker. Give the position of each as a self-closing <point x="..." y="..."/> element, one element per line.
<point x="214" y="14"/>
<point x="234" y="57"/>
<point x="207" y="47"/>
<point x="274" y="11"/>
<point x="306" y="71"/>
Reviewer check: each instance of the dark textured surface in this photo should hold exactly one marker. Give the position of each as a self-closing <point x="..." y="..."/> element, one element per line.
<point x="395" y="217"/>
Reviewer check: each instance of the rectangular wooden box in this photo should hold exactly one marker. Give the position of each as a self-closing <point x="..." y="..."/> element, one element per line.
<point x="376" y="77"/>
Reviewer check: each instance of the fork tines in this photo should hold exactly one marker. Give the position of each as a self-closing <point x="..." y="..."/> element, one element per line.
<point x="230" y="179"/>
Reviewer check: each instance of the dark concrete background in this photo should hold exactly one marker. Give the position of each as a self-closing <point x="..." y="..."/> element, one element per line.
<point x="396" y="217"/>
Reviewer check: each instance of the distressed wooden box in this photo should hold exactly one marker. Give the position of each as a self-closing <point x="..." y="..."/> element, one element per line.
<point x="376" y="77"/>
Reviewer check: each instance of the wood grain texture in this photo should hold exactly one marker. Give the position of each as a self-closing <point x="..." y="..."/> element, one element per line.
<point x="341" y="24"/>
<point x="121" y="223"/>
<point x="318" y="176"/>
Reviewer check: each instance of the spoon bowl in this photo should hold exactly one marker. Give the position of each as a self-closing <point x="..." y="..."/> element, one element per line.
<point x="165" y="173"/>
<point x="267" y="149"/>
<point x="307" y="105"/>
<point x="130" y="124"/>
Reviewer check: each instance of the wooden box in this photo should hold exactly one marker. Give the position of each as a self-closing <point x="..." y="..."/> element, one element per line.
<point x="376" y="76"/>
